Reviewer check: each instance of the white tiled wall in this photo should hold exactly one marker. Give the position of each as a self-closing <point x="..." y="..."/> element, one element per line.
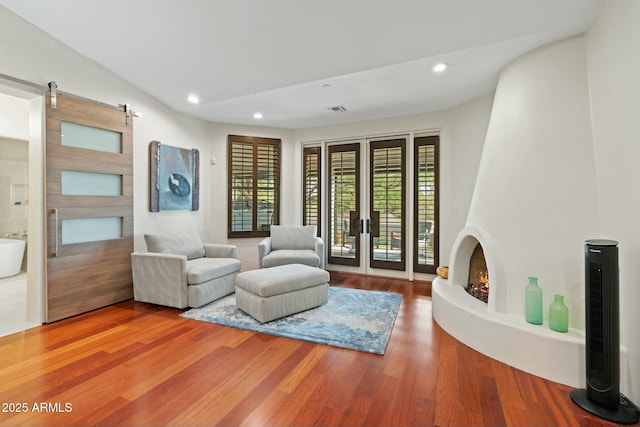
<point x="14" y="173"/>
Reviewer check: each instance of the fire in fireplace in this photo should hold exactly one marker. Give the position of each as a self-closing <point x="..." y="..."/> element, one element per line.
<point x="478" y="283"/>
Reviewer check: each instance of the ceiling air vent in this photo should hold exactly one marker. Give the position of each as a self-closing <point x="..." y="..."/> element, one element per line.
<point x="339" y="108"/>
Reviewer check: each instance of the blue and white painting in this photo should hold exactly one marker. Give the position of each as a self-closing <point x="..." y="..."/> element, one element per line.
<point x="174" y="178"/>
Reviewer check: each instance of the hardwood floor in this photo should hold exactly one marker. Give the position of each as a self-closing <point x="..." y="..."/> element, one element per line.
<point x="136" y="364"/>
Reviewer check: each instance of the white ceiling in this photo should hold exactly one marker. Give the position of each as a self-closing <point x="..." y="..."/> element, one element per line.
<point x="275" y="56"/>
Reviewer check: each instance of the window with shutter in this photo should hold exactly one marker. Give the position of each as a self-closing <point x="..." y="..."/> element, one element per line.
<point x="311" y="199"/>
<point x="426" y="199"/>
<point x="253" y="185"/>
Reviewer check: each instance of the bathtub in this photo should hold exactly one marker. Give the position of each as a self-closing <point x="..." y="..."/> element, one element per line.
<point x="11" y="253"/>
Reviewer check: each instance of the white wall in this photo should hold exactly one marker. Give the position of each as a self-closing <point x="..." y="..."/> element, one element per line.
<point x="462" y="132"/>
<point x="613" y="70"/>
<point x="535" y="195"/>
<point x="468" y="125"/>
<point x="31" y="55"/>
<point x="14" y="117"/>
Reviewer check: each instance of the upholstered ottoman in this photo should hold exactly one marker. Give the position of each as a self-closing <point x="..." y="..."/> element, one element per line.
<point x="271" y="293"/>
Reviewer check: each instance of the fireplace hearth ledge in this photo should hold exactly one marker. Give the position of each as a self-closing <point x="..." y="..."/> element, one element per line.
<point x="508" y="338"/>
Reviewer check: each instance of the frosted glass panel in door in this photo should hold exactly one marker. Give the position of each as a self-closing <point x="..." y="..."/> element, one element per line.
<point x="90" y="230"/>
<point x="75" y="183"/>
<point x="91" y="138"/>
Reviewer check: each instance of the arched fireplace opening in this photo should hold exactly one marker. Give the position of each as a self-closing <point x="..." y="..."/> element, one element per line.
<point x="478" y="282"/>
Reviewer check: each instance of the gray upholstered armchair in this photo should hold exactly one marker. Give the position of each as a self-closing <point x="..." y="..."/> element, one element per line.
<point x="291" y="244"/>
<point x="180" y="271"/>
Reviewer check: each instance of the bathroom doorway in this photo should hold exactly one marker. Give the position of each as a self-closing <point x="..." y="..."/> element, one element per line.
<point x="21" y="206"/>
<point x="14" y="205"/>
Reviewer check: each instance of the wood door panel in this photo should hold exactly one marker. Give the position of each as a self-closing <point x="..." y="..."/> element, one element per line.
<point x="92" y="202"/>
<point x="95" y="284"/>
<point x="65" y="281"/>
<point x="84" y="165"/>
<point x="82" y="283"/>
<point x="92" y="207"/>
<point x="82" y="302"/>
<point x="85" y="159"/>
<point x="94" y="248"/>
<point x="87" y="275"/>
<point x="94" y="256"/>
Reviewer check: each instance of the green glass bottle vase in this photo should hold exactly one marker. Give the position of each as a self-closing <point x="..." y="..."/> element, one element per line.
<point x="559" y="315"/>
<point x="533" y="302"/>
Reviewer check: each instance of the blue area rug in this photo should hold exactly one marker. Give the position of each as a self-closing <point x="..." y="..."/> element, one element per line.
<point x="353" y="318"/>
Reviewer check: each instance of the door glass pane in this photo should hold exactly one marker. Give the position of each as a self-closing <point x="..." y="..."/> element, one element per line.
<point x="91" y="138"/>
<point x="90" y="230"/>
<point x="75" y="183"/>
<point x="425" y="204"/>
<point x="387" y="203"/>
<point x="343" y="205"/>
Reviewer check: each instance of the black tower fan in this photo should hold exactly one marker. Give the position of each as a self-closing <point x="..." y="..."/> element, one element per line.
<point x="602" y="395"/>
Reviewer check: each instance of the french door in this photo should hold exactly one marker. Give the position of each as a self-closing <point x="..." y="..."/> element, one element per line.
<point x="345" y="224"/>
<point x="387" y="201"/>
<point x="366" y="209"/>
<point x="89" y="202"/>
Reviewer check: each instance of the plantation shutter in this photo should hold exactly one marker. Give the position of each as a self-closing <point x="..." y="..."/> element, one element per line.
<point x="254" y="185"/>
<point x="311" y="187"/>
<point x="426" y="199"/>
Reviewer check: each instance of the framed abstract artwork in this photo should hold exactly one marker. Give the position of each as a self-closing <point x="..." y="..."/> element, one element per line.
<point x="173" y="177"/>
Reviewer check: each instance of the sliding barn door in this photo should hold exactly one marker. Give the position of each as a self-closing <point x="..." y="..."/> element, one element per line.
<point x="89" y="201"/>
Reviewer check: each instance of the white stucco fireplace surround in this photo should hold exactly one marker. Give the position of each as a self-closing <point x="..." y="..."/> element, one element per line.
<point x="534" y="204"/>
<point x="491" y="330"/>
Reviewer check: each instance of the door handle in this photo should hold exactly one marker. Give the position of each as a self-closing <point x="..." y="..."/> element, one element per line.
<point x="55" y="231"/>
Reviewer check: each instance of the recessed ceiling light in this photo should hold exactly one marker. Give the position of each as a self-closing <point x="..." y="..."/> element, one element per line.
<point x="193" y="99"/>
<point x="439" y="68"/>
<point x="257" y="116"/>
<point x="326" y="85"/>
